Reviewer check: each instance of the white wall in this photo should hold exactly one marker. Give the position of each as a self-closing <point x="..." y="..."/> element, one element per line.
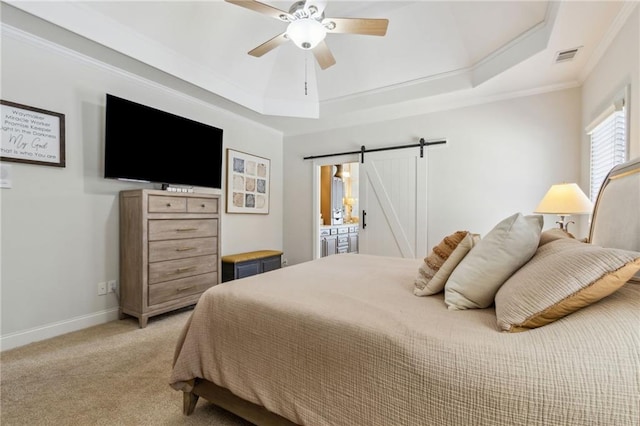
<point x="618" y="68"/>
<point x="60" y="225"/>
<point x="500" y="158"/>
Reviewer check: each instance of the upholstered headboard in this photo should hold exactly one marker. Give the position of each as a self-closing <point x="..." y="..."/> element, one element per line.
<point x="616" y="216"/>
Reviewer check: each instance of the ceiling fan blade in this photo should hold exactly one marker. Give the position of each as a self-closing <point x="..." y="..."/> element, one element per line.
<point x="269" y="45"/>
<point x="323" y="55"/>
<point x="377" y="27"/>
<point x="256" y="6"/>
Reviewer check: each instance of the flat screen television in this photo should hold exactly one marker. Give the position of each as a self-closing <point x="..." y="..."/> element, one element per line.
<point x="150" y="145"/>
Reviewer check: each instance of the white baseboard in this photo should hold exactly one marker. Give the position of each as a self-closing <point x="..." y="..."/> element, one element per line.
<point x="21" y="338"/>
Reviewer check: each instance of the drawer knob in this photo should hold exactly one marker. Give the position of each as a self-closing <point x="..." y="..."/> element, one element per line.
<point x="168" y="204"/>
<point x="181" y="270"/>
<point x="202" y="205"/>
<point x="181" y="289"/>
<point x="185" y="248"/>
<point x="186" y="229"/>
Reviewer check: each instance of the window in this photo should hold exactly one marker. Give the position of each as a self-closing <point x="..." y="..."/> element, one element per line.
<point x="608" y="137"/>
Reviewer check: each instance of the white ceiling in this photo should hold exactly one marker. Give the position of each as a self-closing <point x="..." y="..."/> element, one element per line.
<point x="433" y="55"/>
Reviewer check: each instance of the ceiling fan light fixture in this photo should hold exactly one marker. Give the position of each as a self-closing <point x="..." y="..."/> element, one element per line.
<point x="306" y="33"/>
<point x="307" y="27"/>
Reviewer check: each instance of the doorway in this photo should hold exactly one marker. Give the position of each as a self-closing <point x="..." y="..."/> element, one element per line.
<point x="338" y="219"/>
<point x="384" y="202"/>
<point x="339" y="194"/>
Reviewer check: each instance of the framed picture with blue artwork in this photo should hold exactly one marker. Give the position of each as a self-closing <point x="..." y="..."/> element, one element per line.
<point x="247" y="183"/>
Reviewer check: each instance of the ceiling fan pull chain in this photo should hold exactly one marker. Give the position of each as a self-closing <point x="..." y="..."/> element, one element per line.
<point x="305" y="75"/>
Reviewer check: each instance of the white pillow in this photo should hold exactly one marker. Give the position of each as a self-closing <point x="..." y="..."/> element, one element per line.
<point x="508" y="246"/>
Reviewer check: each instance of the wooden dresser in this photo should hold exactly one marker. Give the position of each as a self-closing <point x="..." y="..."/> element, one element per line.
<point x="169" y="245"/>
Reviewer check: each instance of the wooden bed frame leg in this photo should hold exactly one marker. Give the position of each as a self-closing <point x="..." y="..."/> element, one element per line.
<point x="189" y="400"/>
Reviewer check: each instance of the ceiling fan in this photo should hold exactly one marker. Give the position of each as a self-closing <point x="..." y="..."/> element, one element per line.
<point x="308" y="27"/>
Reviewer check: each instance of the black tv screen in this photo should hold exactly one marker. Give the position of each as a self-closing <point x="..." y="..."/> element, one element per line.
<point x="146" y="144"/>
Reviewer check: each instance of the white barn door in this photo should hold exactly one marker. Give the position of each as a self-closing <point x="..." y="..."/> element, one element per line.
<point x="393" y="204"/>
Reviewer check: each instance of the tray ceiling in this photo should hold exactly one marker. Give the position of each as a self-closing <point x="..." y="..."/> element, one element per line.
<point x="431" y="49"/>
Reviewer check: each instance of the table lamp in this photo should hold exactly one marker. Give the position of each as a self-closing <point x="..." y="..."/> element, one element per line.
<point x="564" y="200"/>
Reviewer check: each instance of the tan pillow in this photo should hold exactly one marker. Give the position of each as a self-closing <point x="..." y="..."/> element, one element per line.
<point x="430" y="281"/>
<point x="552" y="235"/>
<point x="435" y="259"/>
<point x="508" y="246"/>
<point x="563" y="276"/>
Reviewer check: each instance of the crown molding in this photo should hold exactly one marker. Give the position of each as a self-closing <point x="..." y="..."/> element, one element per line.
<point x="621" y="19"/>
<point x="23" y="36"/>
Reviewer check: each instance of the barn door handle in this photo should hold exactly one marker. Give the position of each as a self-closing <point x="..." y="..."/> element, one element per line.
<point x="364" y="219"/>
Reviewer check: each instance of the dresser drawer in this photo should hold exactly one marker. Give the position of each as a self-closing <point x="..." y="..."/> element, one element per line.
<point x="181" y="268"/>
<point x="176" y="289"/>
<point x="202" y="205"/>
<point x="164" y="204"/>
<point x="172" y="229"/>
<point x="179" y="249"/>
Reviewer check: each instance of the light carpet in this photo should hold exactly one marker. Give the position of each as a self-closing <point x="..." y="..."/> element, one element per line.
<point x="111" y="374"/>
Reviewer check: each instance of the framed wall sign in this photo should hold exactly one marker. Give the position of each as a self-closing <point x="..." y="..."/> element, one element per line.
<point x="31" y="135"/>
<point x="247" y="183"/>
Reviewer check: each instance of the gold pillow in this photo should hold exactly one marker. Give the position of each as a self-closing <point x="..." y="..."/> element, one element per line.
<point x="442" y="259"/>
<point x="552" y="235"/>
<point x="562" y="277"/>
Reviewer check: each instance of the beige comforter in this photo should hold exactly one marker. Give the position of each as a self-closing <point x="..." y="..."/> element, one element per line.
<point x="343" y="341"/>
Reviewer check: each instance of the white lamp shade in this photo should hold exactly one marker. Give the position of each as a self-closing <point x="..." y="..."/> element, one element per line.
<point x="306" y="33"/>
<point x="565" y="199"/>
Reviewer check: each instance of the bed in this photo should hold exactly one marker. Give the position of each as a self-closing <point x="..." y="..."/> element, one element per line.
<point x="343" y="340"/>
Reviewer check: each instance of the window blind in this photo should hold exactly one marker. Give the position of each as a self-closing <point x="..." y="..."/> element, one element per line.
<point x="608" y="148"/>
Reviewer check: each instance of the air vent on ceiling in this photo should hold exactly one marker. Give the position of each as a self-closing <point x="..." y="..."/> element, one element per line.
<point x="566" y="55"/>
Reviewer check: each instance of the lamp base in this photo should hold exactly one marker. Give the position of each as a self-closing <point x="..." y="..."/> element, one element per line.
<point x="563" y="224"/>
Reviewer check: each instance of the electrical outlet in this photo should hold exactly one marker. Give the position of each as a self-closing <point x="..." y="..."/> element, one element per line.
<point x="285" y="262"/>
<point x="102" y="288"/>
<point x="112" y="286"/>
